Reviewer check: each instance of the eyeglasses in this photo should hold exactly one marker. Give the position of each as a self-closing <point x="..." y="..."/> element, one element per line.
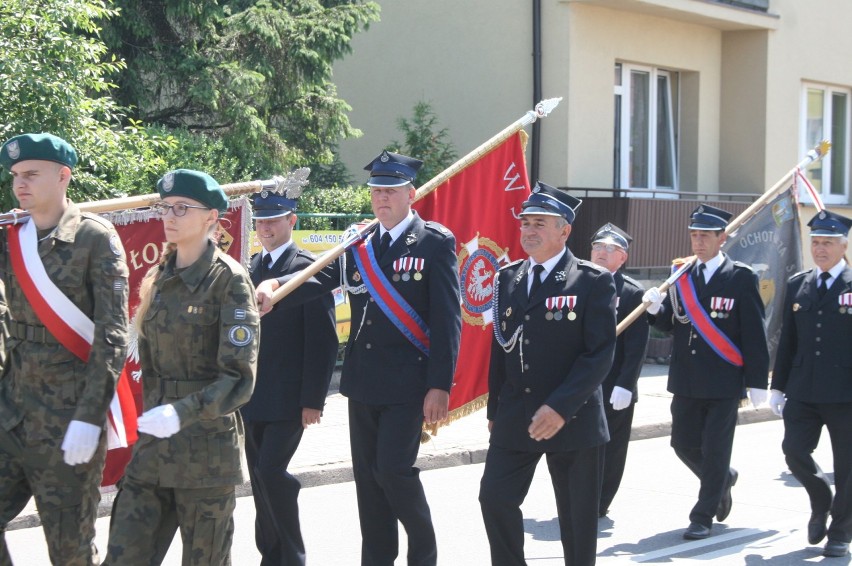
<point x="599" y="247"/>
<point x="178" y="209"/>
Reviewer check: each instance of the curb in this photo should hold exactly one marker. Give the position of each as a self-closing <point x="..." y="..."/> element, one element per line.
<point x="341" y="472"/>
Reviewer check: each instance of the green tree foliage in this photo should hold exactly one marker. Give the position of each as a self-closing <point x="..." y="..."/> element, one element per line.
<point x="426" y="141"/>
<point x="53" y="76"/>
<point x="253" y="74"/>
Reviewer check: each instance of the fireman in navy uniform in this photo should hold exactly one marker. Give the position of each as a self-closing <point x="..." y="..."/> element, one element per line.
<point x="554" y="325"/>
<point x="706" y="386"/>
<point x="814" y="370"/>
<point x="393" y="378"/>
<point x="298" y="347"/>
<point x="609" y="250"/>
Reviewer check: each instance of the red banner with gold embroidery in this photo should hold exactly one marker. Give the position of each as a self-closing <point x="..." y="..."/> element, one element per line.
<point x="141" y="232"/>
<point x="480" y="205"/>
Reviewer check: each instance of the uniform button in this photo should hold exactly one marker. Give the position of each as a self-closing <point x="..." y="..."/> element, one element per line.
<point x="818" y="339"/>
<point x="693" y="352"/>
<point x="526" y="340"/>
<point x="694" y="336"/>
<point x="368" y="346"/>
<point x="372" y="300"/>
<point x="817" y="353"/>
<point x="369" y="321"/>
<point x="527" y="390"/>
<point x="419" y="358"/>
<point x="819" y="312"/>
<point x="819" y="325"/>
<point x="526" y="317"/>
<point x="526" y="366"/>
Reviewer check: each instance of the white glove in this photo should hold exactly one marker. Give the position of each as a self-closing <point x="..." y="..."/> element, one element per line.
<point x="757" y="396"/>
<point x="777" y="400"/>
<point x="620" y="398"/>
<point x="654" y="297"/>
<point x="80" y="442"/>
<point x="162" y="421"/>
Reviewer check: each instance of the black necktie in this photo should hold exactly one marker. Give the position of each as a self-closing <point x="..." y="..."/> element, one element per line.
<point x="384" y="244"/>
<point x="822" y="288"/>
<point x="265" y="264"/>
<point x="699" y="276"/>
<point x="536" y="278"/>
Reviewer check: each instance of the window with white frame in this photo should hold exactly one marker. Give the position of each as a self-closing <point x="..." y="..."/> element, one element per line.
<point x="826" y="115"/>
<point x="646" y="111"/>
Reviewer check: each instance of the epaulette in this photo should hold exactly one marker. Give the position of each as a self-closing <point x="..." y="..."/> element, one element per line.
<point x="306" y="254"/>
<point x="747" y="266"/>
<point x="512" y="264"/>
<point x="592" y="265"/>
<point x="800" y="274"/>
<point x="232" y="264"/>
<point x="438" y="227"/>
<point x="628" y="279"/>
<point x="99" y="219"/>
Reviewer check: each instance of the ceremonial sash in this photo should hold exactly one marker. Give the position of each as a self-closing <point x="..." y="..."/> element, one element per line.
<point x="717" y="339"/>
<point x="397" y="309"/>
<point x="66" y="322"/>
<point x="62" y="318"/>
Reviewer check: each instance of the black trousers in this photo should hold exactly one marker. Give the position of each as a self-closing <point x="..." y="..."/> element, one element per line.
<point x="269" y="448"/>
<point x="385" y="440"/>
<point x="703" y="438"/>
<point x="803" y="424"/>
<point x="614" y="454"/>
<point x="575" y="476"/>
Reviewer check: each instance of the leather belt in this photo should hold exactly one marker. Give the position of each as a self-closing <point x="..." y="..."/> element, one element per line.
<point x="31" y="333"/>
<point x="179" y="388"/>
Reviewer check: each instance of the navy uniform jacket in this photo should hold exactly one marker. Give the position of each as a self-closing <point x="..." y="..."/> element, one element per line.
<point x="632" y="343"/>
<point x="298" y="349"/>
<point x="696" y="370"/>
<point x="814" y="362"/>
<point x="559" y="363"/>
<point x="380" y="365"/>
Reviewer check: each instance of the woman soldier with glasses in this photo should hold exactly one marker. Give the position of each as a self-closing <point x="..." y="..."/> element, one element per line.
<point x="198" y="327"/>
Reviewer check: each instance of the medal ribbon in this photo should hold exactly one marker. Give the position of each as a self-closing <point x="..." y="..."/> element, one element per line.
<point x="717" y="340"/>
<point x="62" y="318"/>
<point x="392" y="304"/>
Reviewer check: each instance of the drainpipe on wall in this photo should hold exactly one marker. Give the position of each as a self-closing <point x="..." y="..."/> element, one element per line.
<point x="537" y="95"/>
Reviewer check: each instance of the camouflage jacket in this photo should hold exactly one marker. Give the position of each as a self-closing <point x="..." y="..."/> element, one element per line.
<point x="44" y="385"/>
<point x="198" y="352"/>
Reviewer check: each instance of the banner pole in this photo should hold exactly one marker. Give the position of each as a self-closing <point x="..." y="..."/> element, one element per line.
<point x="542" y="109"/>
<point x="817" y="153"/>
<point x="144" y="201"/>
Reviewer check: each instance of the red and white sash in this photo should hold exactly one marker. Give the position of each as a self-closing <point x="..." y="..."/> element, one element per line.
<point x="61" y="317"/>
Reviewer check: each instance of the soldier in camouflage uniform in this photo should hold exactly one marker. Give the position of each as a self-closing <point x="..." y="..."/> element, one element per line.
<point x="198" y="326"/>
<point x="53" y="405"/>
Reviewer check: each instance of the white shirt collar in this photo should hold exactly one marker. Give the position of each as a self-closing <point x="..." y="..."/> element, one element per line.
<point x="712" y="265"/>
<point x="548" y="265"/>
<point x="277" y="252"/>
<point x="397" y="230"/>
<point x="834" y="271"/>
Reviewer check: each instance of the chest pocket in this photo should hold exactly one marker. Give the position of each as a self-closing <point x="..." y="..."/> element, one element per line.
<point x="199" y="328"/>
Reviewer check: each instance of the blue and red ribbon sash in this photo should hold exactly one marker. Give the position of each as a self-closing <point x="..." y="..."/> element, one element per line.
<point x="717" y="339"/>
<point x="392" y="304"/>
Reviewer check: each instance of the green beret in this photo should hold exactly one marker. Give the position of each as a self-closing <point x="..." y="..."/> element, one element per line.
<point x="195" y="185"/>
<point x="44" y="147"/>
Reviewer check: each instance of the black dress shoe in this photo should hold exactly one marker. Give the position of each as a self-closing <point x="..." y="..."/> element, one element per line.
<point x="816" y="527"/>
<point x="835" y="548"/>
<point x="725" y="504"/>
<point x="696" y="531"/>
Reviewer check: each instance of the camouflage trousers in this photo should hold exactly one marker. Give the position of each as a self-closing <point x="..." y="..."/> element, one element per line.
<point x="145" y="518"/>
<point x="66" y="496"/>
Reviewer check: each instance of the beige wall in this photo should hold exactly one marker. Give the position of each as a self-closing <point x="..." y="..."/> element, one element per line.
<point x="471" y="61"/>
<point x="598" y="38"/>
<point x="740" y="78"/>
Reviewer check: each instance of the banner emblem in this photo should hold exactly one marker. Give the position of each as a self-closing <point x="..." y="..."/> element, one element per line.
<point x="479" y="260"/>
